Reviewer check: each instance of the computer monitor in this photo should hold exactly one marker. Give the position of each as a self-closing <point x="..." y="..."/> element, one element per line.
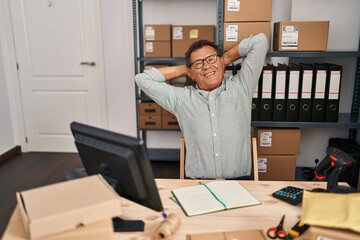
<point x="122" y="160"/>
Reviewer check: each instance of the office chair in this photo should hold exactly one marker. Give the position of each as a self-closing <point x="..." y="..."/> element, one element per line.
<point x="255" y="173"/>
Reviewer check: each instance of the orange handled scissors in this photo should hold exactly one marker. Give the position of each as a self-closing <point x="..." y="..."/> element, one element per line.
<point x="277" y="232"/>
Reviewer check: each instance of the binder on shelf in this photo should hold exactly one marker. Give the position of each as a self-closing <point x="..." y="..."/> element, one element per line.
<point x="292" y="93"/>
<point x="306" y="78"/>
<point x="279" y="92"/>
<point x="255" y="106"/>
<point x="333" y="92"/>
<point x="318" y="98"/>
<point x="266" y="101"/>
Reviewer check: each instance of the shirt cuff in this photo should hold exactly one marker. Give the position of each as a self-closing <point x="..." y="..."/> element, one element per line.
<point x="155" y="74"/>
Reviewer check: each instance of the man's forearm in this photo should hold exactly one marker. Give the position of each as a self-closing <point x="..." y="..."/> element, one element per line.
<point x="174" y="72"/>
<point x="231" y="55"/>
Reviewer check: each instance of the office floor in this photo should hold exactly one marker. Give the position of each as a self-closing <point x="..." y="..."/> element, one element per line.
<point x="30" y="170"/>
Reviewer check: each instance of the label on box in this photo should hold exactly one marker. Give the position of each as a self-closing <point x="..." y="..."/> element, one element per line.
<point x="149" y="33"/>
<point x="262" y="165"/>
<point x="149" y="47"/>
<point x="194" y="33"/>
<point x="177" y="33"/>
<point x="231" y="33"/>
<point x="290" y="37"/>
<point x="233" y="5"/>
<point x="265" y="139"/>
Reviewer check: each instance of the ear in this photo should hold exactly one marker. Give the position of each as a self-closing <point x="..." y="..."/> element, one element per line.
<point x="191" y="74"/>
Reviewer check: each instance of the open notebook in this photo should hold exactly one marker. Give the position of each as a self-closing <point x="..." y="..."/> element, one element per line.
<point x="213" y="196"/>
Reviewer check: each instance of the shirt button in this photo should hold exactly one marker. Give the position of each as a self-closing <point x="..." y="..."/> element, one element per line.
<point x="217" y="154"/>
<point x="215" y="134"/>
<point x="212" y="114"/>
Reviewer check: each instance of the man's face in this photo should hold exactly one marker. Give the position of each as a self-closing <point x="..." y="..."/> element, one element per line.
<point x="210" y="75"/>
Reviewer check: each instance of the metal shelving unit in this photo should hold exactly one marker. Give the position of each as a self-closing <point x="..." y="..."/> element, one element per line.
<point x="346" y="121"/>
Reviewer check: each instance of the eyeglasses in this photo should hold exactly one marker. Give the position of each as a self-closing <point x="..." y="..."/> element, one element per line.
<point x="200" y="63"/>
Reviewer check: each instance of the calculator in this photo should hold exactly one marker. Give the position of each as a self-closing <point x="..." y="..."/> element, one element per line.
<point x="289" y="194"/>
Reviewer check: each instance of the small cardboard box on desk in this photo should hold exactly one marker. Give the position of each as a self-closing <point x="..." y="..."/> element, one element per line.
<point x="77" y="209"/>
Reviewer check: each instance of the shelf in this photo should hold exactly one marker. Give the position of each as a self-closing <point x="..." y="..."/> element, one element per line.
<point x="344" y="122"/>
<point x="163" y="60"/>
<point x="327" y="54"/>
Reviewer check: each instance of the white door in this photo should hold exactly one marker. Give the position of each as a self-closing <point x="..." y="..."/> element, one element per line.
<point x="59" y="55"/>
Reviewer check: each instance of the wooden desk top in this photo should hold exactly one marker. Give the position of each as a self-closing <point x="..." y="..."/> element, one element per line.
<point x="263" y="216"/>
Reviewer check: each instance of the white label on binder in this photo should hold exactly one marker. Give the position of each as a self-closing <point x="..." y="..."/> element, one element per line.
<point x="149" y="33"/>
<point x="306" y="84"/>
<point x="334" y="85"/>
<point x="265" y="139"/>
<point x="290" y="37"/>
<point x="149" y="47"/>
<point x="267" y="84"/>
<point x="280" y="85"/>
<point x="320" y="84"/>
<point x="177" y="33"/>
<point x="262" y="165"/>
<point x="293" y="85"/>
<point x="233" y="6"/>
<point x="231" y="34"/>
<point x="256" y="91"/>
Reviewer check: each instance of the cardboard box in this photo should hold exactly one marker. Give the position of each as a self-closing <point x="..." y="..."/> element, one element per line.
<point x="234" y="32"/>
<point x="280" y="141"/>
<point x="322" y="233"/>
<point x="100" y="230"/>
<point x="170" y="122"/>
<point x="149" y="109"/>
<point x="248" y="11"/>
<point x="277" y="167"/>
<point x="157" y="49"/>
<point x="150" y="122"/>
<point x="301" y="36"/>
<point x="157" y="32"/>
<point x="184" y="35"/>
<point x="67" y="206"/>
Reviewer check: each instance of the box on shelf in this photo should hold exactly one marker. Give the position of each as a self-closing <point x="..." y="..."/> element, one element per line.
<point x="277" y="167"/>
<point x="248" y="11"/>
<point x="301" y="36"/>
<point x="149" y="109"/>
<point x="150" y="122"/>
<point x="157" y="49"/>
<point x="170" y="122"/>
<point x="234" y="32"/>
<point x="280" y="141"/>
<point x="158" y="32"/>
<point x="68" y="207"/>
<point x="184" y="35"/>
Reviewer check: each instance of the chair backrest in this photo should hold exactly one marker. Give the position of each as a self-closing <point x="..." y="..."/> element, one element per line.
<point x="255" y="173"/>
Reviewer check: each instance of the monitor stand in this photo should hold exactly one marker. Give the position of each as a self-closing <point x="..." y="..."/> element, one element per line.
<point x="120" y="225"/>
<point x="75" y="173"/>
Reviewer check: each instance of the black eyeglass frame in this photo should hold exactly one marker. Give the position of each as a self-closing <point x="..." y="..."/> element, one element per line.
<point x="203" y="60"/>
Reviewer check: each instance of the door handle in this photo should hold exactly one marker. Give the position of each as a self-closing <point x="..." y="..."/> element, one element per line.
<point x="88" y="63"/>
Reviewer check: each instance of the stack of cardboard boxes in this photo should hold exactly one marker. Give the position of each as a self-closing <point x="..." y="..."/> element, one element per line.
<point x="152" y="116"/>
<point x="174" y="40"/>
<point x="157" y="41"/>
<point x="244" y="18"/>
<point x="277" y="151"/>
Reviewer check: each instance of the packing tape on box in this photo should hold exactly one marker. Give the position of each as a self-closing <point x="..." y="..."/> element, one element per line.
<point x="168" y="227"/>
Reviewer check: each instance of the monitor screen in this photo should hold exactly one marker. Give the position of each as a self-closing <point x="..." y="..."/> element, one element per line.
<point x="122" y="160"/>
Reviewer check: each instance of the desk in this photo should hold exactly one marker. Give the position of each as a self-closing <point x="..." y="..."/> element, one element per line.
<point x="263" y="216"/>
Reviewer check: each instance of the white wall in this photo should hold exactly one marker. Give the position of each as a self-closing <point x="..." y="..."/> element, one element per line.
<point x="119" y="60"/>
<point x="7" y="139"/>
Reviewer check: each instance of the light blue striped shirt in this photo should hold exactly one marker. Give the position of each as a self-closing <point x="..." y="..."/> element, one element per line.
<point x="216" y="125"/>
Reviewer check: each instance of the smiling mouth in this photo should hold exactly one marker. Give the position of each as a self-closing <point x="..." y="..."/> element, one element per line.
<point x="209" y="74"/>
